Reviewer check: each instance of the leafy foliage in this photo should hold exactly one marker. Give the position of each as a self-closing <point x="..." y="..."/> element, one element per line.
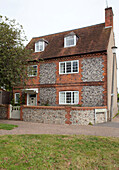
<point x="13" y="55"/>
<point x="118" y="97"/>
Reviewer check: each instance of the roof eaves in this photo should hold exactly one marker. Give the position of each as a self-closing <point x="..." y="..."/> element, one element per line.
<point x="85" y="53"/>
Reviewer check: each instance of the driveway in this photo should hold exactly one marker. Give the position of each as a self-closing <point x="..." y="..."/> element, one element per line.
<point x="40" y="128"/>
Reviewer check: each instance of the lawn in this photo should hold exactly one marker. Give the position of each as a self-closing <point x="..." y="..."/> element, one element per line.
<point x="7" y="126"/>
<point x="58" y="152"/>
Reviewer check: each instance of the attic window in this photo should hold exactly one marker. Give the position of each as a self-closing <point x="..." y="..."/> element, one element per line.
<point x="39" y="46"/>
<point x="70" y="41"/>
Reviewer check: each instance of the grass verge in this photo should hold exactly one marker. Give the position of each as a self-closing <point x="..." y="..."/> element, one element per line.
<point x="7" y="126"/>
<point x="58" y="152"/>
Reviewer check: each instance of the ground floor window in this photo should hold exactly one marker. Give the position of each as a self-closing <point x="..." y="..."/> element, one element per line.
<point x="68" y="97"/>
<point x="17" y="97"/>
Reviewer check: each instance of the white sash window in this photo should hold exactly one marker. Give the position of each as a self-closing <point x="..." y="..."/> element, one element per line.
<point x="69" y="97"/>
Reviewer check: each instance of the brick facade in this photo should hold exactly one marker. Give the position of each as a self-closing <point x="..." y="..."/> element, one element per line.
<point x="108" y="17"/>
<point x="49" y="82"/>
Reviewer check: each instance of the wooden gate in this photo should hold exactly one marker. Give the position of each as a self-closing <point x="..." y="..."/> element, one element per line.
<point x="14" y="112"/>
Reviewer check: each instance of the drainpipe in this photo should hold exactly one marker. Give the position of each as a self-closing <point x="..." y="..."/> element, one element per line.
<point x="112" y="90"/>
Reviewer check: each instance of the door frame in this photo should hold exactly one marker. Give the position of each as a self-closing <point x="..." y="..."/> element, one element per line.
<point x="28" y="98"/>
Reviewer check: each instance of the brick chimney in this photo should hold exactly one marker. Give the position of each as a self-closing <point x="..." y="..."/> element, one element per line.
<point x="108" y="17"/>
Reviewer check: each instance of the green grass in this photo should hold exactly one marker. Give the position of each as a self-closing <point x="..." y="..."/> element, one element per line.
<point x="58" y="152"/>
<point x="7" y="126"/>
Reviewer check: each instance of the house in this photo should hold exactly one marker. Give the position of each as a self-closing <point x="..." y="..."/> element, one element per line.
<point x="73" y="68"/>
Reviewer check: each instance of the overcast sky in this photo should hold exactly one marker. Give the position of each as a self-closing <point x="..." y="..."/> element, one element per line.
<point x="42" y="17"/>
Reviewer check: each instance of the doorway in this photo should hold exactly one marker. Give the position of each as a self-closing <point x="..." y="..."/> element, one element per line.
<point x="32" y="99"/>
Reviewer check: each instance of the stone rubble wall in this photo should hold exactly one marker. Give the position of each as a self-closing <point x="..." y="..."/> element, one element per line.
<point x="44" y="116"/>
<point x="48" y="73"/>
<point x="92" y="69"/>
<point x="61" y="115"/>
<point x="82" y="117"/>
<point x="100" y="117"/>
<point x="3" y="112"/>
<point x="47" y="96"/>
<point x="92" y="96"/>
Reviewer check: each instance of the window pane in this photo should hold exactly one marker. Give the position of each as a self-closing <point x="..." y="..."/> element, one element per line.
<point x="40" y="46"/>
<point x="32" y="70"/>
<point x="62" y="67"/>
<point x="69" y="40"/>
<point x="37" y="47"/>
<point x="75" y="66"/>
<point x="68" y="67"/>
<point x="68" y="97"/>
<point x="75" y="97"/>
<point x="62" y="97"/>
<point x="17" y="98"/>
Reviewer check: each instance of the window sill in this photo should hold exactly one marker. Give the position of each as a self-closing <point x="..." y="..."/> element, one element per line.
<point x="69" y="73"/>
<point x="69" y="46"/>
<point x="32" y="76"/>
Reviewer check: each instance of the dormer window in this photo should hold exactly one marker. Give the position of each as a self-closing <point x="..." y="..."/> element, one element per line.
<point x="70" y="40"/>
<point x="39" y="46"/>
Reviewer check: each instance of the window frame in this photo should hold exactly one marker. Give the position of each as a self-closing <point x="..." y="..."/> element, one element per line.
<point x="65" y="41"/>
<point x="71" y="67"/>
<point x="71" y="97"/>
<point x="32" y="74"/>
<point x="15" y="97"/>
<point x="38" y="44"/>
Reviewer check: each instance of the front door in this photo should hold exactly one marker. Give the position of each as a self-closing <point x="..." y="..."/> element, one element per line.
<point x="32" y="99"/>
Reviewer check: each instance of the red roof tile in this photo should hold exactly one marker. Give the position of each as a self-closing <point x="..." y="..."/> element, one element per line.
<point x="91" y="39"/>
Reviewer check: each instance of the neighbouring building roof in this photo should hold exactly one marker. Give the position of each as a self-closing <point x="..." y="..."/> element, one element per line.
<point x="91" y="39"/>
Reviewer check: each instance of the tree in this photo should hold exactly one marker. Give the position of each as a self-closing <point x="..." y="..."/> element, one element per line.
<point x="13" y="55"/>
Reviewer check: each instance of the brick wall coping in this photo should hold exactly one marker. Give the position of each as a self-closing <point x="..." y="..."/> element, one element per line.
<point x="64" y="107"/>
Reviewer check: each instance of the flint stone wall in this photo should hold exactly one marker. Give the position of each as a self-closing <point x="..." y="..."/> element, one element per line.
<point x="100" y="117"/>
<point x="3" y="112"/>
<point x="92" y="69"/>
<point x="82" y="117"/>
<point x="92" y="96"/>
<point x="48" y="73"/>
<point x="48" y="96"/>
<point x="61" y="115"/>
<point x="44" y="116"/>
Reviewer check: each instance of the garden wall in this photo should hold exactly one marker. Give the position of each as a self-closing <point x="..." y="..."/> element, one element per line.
<point x="3" y="111"/>
<point x="63" y="114"/>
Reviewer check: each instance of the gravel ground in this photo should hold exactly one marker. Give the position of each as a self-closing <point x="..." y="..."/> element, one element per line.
<point x="104" y="129"/>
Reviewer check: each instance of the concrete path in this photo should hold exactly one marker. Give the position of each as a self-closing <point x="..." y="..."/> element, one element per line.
<point x="114" y="123"/>
<point x="39" y="128"/>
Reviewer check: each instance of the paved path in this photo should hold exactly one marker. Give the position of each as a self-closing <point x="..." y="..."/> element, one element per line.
<point x="114" y="123"/>
<point x="40" y="128"/>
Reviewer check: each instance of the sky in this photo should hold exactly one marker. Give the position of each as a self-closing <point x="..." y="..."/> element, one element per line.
<point x="43" y="17"/>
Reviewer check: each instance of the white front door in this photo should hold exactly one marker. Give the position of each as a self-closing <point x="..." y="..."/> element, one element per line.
<point x="32" y="99"/>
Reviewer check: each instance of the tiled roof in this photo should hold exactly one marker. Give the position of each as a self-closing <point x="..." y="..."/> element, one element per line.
<point x="91" y="39"/>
